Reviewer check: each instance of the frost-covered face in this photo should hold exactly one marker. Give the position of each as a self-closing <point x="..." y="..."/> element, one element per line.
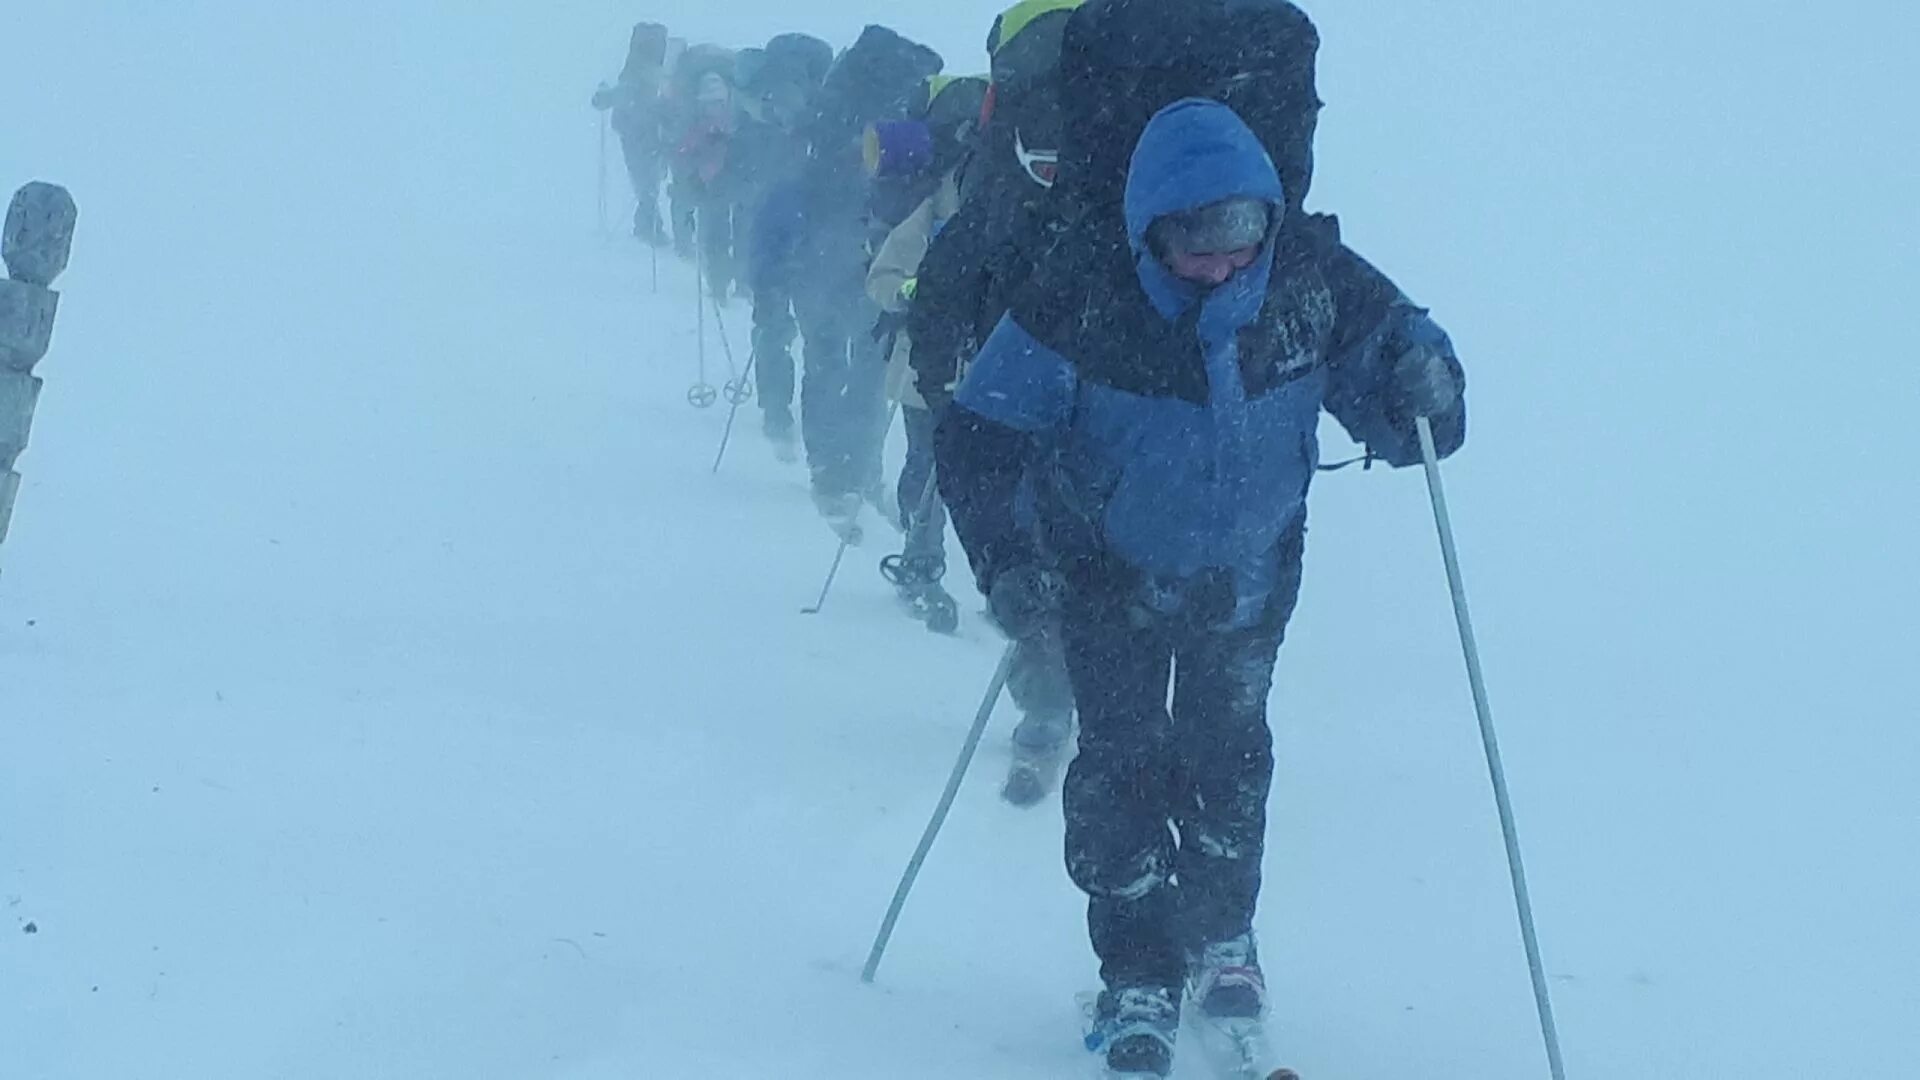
<point x="1210" y="244"/>
<point x="1209" y="268"/>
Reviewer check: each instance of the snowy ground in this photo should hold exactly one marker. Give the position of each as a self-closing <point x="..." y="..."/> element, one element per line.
<point x="388" y="690"/>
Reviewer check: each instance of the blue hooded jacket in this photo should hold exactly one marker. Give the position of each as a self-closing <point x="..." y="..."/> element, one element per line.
<point x="1167" y="425"/>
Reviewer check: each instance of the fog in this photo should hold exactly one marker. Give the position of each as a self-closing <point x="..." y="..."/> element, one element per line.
<point x="388" y="690"/>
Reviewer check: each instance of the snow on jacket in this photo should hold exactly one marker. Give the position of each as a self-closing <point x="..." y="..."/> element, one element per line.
<point x="1165" y="432"/>
<point x="896" y="263"/>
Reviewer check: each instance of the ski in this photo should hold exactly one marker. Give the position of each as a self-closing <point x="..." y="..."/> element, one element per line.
<point x="1095" y="1034"/>
<point x="1235" y="1048"/>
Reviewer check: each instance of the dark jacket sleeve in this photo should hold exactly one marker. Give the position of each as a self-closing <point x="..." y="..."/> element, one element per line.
<point x="981" y="464"/>
<point x="942" y="322"/>
<point x="1374" y="325"/>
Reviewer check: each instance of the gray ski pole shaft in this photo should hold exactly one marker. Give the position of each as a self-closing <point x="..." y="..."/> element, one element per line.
<point x="702" y="394"/>
<point x="1510" y="833"/>
<point x="939" y="819"/>
<point x="733" y="413"/>
<point x="833" y="571"/>
<point x="846" y="541"/>
<point x="699" y="304"/>
<point x="928" y="494"/>
<point x="726" y="346"/>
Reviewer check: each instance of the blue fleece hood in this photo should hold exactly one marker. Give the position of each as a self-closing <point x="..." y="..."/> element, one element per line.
<point x="1195" y="152"/>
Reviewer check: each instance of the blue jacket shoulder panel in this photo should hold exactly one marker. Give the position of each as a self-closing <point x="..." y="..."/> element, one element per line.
<point x="1018" y="382"/>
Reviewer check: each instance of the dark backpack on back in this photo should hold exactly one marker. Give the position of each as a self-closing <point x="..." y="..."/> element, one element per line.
<point x="881" y="76"/>
<point x="1121" y="61"/>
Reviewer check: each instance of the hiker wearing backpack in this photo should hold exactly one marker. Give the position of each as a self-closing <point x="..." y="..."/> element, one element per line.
<point x="812" y="244"/>
<point x="777" y="85"/>
<point x="1130" y="454"/>
<point x="702" y="120"/>
<point x="635" y="103"/>
<point x="965" y="284"/>
<point x="987" y="251"/>
<point x="779" y="98"/>
<point x="911" y="156"/>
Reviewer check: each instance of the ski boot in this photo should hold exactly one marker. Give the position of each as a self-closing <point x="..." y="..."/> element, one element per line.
<point x="777" y="424"/>
<point x="1227" y="1008"/>
<point x="1039" y="750"/>
<point x="916" y="580"/>
<point x="1133" y="1030"/>
<point x="841" y="509"/>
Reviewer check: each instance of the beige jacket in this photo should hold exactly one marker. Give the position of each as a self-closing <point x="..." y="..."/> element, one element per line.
<point x="894" y="265"/>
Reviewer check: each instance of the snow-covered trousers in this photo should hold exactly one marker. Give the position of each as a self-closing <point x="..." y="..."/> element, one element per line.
<point x="1166" y="809"/>
<point x="774" y="329"/>
<point x="842" y="390"/>
<point x="1038" y="684"/>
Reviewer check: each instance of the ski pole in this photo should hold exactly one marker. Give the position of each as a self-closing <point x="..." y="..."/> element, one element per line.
<point x="701" y="394"/>
<point x="895" y="568"/>
<point x="737" y="388"/>
<point x="601" y="183"/>
<point x="733" y="411"/>
<point x="928" y="494"/>
<point x="846" y="539"/>
<point x="1543" y="1002"/>
<point x="939" y="819"/>
<point x="832" y="572"/>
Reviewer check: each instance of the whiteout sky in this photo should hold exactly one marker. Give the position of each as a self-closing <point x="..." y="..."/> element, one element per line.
<point x="331" y="384"/>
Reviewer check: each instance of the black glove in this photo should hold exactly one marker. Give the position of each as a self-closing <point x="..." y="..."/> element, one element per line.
<point x="1425" y="381"/>
<point x="1026" y="599"/>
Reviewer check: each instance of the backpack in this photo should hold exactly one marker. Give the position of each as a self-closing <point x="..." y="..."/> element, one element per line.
<point x="1121" y="61"/>
<point x="795" y="59"/>
<point x="647" y="47"/>
<point x="881" y="76"/>
<point x="692" y="67"/>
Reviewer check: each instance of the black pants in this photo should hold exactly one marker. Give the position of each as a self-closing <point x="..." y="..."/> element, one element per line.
<point x="1166" y="811"/>
<point x="842" y="393"/>
<point x="716" y="216"/>
<point x="774" y="329"/>
<point x="644" y="170"/>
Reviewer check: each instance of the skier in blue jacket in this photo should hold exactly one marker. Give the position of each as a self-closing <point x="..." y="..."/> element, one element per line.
<point x="1130" y="454"/>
